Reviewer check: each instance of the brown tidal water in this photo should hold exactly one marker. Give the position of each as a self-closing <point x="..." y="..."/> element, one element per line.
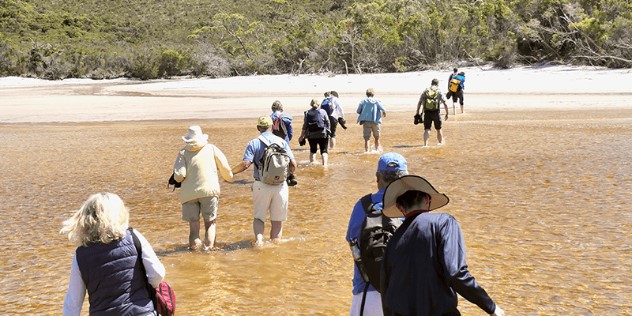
<point x="544" y="200"/>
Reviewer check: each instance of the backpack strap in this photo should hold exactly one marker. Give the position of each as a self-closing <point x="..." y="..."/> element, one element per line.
<point x="264" y="140"/>
<point x="139" y="249"/>
<point x="367" y="204"/>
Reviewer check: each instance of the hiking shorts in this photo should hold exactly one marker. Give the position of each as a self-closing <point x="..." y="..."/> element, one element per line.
<point x="369" y="127"/>
<point x="314" y="143"/>
<point x="333" y="124"/>
<point x="432" y="116"/>
<point x="372" y="304"/>
<point x="207" y="206"/>
<point x="455" y="96"/>
<point x="273" y="197"/>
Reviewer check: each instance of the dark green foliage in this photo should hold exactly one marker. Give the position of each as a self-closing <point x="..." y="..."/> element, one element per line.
<point x="159" y="39"/>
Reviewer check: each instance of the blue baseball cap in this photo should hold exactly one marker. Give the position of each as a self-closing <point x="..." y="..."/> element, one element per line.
<point x="392" y="161"/>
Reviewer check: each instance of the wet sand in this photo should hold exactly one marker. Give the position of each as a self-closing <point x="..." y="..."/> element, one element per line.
<point x="540" y="183"/>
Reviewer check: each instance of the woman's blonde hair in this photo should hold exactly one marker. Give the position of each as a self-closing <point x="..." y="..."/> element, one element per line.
<point x="102" y="218"/>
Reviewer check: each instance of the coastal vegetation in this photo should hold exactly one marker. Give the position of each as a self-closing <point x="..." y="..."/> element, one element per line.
<point x="149" y="39"/>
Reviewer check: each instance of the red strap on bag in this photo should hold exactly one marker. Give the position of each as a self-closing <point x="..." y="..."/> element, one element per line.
<point x="165" y="299"/>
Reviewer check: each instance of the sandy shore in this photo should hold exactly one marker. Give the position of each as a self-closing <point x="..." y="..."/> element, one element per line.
<point x="487" y="89"/>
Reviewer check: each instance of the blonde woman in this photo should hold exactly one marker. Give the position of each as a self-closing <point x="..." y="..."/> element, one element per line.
<point x="106" y="262"/>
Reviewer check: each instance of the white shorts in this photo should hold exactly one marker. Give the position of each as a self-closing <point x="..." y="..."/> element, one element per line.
<point x="270" y="197"/>
<point x="372" y="305"/>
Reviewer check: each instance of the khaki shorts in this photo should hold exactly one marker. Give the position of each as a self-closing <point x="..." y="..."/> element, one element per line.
<point x="207" y="206"/>
<point x="370" y="127"/>
<point x="270" y="197"/>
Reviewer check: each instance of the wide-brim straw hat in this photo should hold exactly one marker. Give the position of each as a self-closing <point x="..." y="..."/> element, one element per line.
<point x="411" y="183"/>
<point x="194" y="134"/>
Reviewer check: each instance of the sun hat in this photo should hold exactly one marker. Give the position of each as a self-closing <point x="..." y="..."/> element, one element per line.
<point x="411" y="183"/>
<point x="392" y="162"/>
<point x="264" y="121"/>
<point x="194" y="134"/>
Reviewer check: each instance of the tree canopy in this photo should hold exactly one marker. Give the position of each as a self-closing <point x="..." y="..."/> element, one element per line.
<point x="148" y="39"/>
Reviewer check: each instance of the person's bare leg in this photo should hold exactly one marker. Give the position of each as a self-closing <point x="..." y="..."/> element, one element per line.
<point x="440" y="137"/>
<point x="209" y="237"/>
<point x="377" y="144"/>
<point x="276" y="230"/>
<point x="332" y="142"/>
<point x="258" y="226"/>
<point x="366" y="145"/>
<point x="426" y="137"/>
<point x="312" y="157"/>
<point x="194" y="235"/>
<point x="325" y="157"/>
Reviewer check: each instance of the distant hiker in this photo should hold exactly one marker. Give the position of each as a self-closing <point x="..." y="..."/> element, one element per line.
<point x="366" y="298"/>
<point x="281" y="122"/>
<point x="371" y="111"/>
<point x="331" y="105"/>
<point x="430" y="112"/>
<point x="456" y="87"/>
<point x="316" y="131"/>
<point x="106" y="264"/>
<point x="424" y="267"/>
<point x="274" y="170"/>
<point x="196" y="168"/>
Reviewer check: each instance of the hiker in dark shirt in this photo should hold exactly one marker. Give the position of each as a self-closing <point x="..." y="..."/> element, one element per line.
<point x="424" y="266"/>
<point x="316" y="131"/>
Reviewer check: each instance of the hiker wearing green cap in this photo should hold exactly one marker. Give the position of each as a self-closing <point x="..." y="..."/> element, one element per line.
<point x="424" y="267"/>
<point x="274" y="171"/>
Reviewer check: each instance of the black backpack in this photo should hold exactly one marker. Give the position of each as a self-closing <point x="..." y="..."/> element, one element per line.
<point x="376" y="231"/>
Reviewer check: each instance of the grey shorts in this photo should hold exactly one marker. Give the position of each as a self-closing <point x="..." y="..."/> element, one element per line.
<point x="370" y="127"/>
<point x="207" y="206"/>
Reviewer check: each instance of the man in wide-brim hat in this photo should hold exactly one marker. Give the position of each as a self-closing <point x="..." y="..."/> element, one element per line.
<point x="424" y="266"/>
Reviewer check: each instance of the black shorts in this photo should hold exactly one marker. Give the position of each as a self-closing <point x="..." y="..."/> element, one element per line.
<point x="455" y="96"/>
<point x="333" y="123"/>
<point x="432" y="116"/>
<point x="314" y="143"/>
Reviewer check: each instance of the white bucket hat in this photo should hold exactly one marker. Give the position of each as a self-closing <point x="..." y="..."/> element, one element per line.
<point x="195" y="135"/>
<point x="411" y="183"/>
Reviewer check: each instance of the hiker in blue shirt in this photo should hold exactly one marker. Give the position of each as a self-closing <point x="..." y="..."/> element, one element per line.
<point x="371" y="111"/>
<point x="424" y="266"/>
<point x="286" y="132"/>
<point x="458" y="94"/>
<point x="273" y="197"/>
<point x="390" y="167"/>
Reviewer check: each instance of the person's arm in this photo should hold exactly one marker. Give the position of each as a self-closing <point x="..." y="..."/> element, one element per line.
<point x="288" y="127"/>
<point x="222" y="165"/>
<point x="445" y="106"/>
<point x="154" y="268"/>
<point x="339" y="109"/>
<point x="241" y="167"/>
<point x="381" y="109"/>
<point x="419" y="104"/>
<point x="359" y="109"/>
<point x="452" y="246"/>
<point x="180" y="167"/>
<point x="76" y="291"/>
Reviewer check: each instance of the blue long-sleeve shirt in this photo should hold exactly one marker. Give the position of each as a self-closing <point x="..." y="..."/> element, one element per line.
<point x="424" y="268"/>
<point x="370" y="110"/>
<point x="287" y="120"/>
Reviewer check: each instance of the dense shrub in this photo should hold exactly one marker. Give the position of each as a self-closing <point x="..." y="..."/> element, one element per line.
<point x="98" y="39"/>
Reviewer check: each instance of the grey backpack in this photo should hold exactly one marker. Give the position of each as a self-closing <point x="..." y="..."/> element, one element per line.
<point x="274" y="165"/>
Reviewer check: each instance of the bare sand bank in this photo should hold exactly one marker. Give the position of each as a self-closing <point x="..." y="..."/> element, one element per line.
<point x="84" y="100"/>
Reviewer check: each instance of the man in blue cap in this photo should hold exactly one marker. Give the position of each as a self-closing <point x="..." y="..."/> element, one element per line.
<point x="366" y="299"/>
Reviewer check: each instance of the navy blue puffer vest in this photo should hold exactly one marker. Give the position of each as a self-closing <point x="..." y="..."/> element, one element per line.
<point x="114" y="279"/>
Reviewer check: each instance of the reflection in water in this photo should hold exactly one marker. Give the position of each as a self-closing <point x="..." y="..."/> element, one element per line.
<point x="544" y="200"/>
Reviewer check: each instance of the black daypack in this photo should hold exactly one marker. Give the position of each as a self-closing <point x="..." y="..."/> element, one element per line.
<point x="376" y="231"/>
<point x="315" y="121"/>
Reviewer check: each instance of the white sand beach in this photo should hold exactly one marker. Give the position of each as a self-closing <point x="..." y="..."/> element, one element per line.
<point x="486" y="89"/>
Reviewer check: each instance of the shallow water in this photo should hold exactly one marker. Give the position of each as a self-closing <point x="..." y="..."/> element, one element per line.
<point x="543" y="198"/>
